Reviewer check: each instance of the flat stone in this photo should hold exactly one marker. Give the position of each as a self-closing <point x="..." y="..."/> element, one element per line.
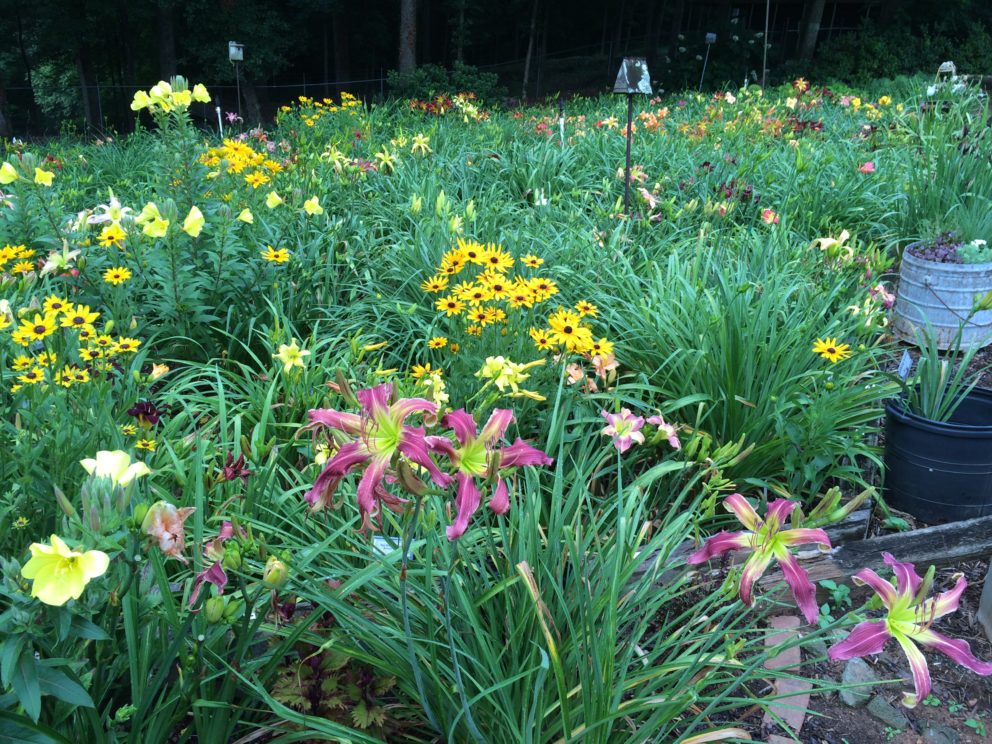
<point x="793" y="694"/>
<point x="857" y="672"/>
<point x="887" y="713"/>
<point x="938" y="733"/>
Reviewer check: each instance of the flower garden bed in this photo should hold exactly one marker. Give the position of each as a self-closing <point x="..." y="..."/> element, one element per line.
<point x="382" y="423"/>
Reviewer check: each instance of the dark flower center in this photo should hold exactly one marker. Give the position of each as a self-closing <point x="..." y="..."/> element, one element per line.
<point x="39" y="329"/>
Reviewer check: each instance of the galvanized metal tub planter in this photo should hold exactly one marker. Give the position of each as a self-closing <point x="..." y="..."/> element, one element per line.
<point x="943" y="294"/>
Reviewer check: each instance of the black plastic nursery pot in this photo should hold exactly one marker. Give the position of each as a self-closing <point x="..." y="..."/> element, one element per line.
<point x="940" y="471"/>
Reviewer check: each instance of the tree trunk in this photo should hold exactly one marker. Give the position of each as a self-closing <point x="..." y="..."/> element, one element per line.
<point x="87" y="86"/>
<point x="253" y="115"/>
<point x="812" y="17"/>
<point x="408" y="35"/>
<point x="4" y="125"/>
<point x="460" y="33"/>
<point x="678" y="11"/>
<point x="34" y="112"/>
<point x="166" y="40"/>
<point x="530" y="50"/>
<point x="342" y="51"/>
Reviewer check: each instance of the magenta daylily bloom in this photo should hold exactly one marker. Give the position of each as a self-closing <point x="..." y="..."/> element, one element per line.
<point x="379" y="435"/>
<point x="214" y="575"/>
<point x="478" y="457"/>
<point x="908" y="618"/>
<point x="766" y="540"/>
<point x="624" y="427"/>
<point x="670" y="432"/>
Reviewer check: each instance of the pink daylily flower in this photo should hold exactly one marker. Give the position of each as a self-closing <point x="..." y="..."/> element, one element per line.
<point x="766" y="540"/>
<point x="165" y="524"/>
<point x="624" y="427"/>
<point x="868" y="167"/>
<point x="379" y="435"/>
<point x="670" y="432"/>
<point x="908" y="618"/>
<point x="769" y="216"/>
<point x="478" y="457"/>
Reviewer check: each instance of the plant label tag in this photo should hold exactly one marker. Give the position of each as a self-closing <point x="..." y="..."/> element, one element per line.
<point x="905" y="365"/>
<point x="385" y="545"/>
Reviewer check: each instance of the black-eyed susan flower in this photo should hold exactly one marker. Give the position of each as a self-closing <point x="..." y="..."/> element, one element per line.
<point x="126" y="345"/>
<point x="116" y="275"/>
<point x="146" y="444"/>
<point x="104" y="341"/>
<point x="47" y="359"/>
<point x="90" y="353"/>
<point x="471" y="250"/>
<point x="450" y="305"/>
<point x="543" y="288"/>
<point x="479" y="316"/>
<point x="495" y="258"/>
<point x="423" y="370"/>
<point x="111" y="236"/>
<point x="275" y="255"/>
<point x="33" y="376"/>
<point x="22" y="267"/>
<point x="584" y="308"/>
<point x="831" y="350"/>
<point x="79" y="316"/>
<point x="55" y="304"/>
<point x="129" y="430"/>
<point x="256" y="179"/>
<point x="435" y="284"/>
<point x="542" y="338"/>
<point x="21" y="363"/>
<point x="499" y="286"/>
<point x="37" y="328"/>
<point x="476" y="294"/>
<point x="601" y="347"/>
<point x="531" y="261"/>
<point x="438" y="342"/>
<point x="474" y="330"/>
<point x="566" y="329"/>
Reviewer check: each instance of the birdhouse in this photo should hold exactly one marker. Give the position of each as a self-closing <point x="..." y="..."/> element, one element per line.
<point x="235" y="51"/>
<point x="633" y="77"/>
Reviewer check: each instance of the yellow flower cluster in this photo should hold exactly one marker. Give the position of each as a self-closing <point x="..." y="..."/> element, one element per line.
<point x="491" y="292"/>
<point x="312" y="110"/>
<point x="19" y="257"/>
<point x="239" y="157"/>
<point x="165" y="97"/>
<point x="96" y="350"/>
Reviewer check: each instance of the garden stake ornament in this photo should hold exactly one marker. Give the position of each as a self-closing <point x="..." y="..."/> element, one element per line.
<point x="632" y="79"/>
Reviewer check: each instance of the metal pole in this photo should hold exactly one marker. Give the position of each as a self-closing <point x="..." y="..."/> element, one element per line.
<point x="764" y="59"/>
<point x="561" y="120"/>
<point x="705" y="60"/>
<point x="626" y="183"/>
<point x="237" y="79"/>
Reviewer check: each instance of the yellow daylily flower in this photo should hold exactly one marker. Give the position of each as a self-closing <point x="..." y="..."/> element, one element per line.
<point x="59" y="574"/>
<point x="200" y="93"/>
<point x="8" y="174"/>
<point x="193" y="224"/>
<point x="115" y="465"/>
<point x="141" y="101"/>
<point x="247" y="216"/>
<point x="291" y="356"/>
<point x="312" y="206"/>
<point x="273" y="200"/>
<point x="156" y="228"/>
<point x="43" y="177"/>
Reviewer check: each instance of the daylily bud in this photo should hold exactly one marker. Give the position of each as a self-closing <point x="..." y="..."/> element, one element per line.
<point x="140" y="511"/>
<point x="213" y="609"/>
<point x="275" y="574"/>
<point x="64" y="503"/>
<point x="232" y="558"/>
<point x="234" y="609"/>
<point x="416" y="204"/>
